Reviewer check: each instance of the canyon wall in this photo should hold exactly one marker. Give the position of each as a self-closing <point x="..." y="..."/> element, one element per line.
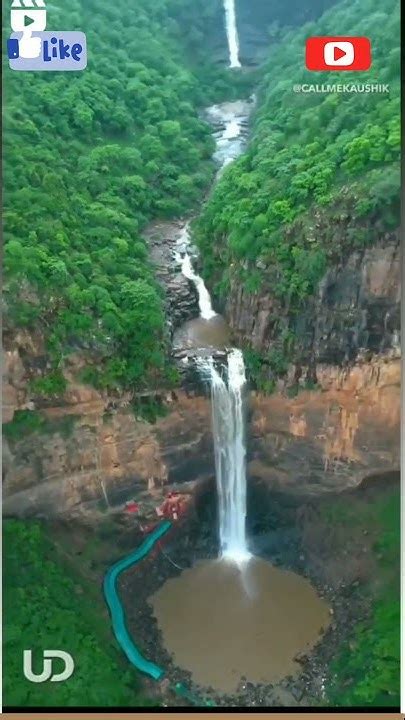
<point x="259" y="22"/>
<point x="93" y="449"/>
<point x="88" y="452"/>
<point x="355" y="313"/>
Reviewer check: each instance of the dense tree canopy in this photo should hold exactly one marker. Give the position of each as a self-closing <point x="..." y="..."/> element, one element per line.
<point x="47" y="606"/>
<point x="366" y="668"/>
<point x="90" y="158"/>
<point x="312" y="156"/>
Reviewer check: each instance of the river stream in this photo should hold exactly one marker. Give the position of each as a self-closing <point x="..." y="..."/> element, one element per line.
<point x="237" y="616"/>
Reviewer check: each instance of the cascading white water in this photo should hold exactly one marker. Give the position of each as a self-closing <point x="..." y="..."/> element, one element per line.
<point x="232" y="33"/>
<point x="227" y="397"/>
<point x="204" y="299"/>
<point x="230" y="453"/>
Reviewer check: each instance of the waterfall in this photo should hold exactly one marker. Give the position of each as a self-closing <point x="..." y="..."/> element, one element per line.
<point x="232" y="33"/>
<point x="228" y="426"/>
<point x="230" y="453"/>
<point x="226" y="394"/>
<point x="204" y="299"/>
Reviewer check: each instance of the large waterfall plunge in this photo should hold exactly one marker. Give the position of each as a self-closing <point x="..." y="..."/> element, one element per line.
<point x="228" y="425"/>
<point x="230" y="455"/>
<point x="232" y="33"/>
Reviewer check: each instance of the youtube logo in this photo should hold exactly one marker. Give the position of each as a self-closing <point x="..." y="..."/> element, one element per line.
<point x="338" y="53"/>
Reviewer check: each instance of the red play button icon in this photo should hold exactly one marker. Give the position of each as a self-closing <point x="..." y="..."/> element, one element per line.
<point x="338" y="53"/>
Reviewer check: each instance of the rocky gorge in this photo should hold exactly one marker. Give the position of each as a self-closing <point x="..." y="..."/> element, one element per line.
<point x="93" y="451"/>
<point x="328" y="438"/>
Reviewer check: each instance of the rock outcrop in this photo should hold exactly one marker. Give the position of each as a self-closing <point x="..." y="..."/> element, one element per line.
<point x="181" y="299"/>
<point x="355" y="313"/>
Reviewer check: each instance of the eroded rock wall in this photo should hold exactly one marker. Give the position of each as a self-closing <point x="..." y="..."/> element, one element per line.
<point x="321" y="440"/>
<point x="356" y="310"/>
<point x="330" y="438"/>
<point x="92" y="449"/>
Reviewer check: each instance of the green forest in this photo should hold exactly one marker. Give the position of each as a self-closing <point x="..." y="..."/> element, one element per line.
<point x="48" y="605"/>
<point x="90" y="159"/>
<point x="365" y="670"/>
<point x="314" y="161"/>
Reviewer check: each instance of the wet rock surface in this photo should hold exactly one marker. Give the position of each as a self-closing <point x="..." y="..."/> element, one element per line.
<point x="180" y="294"/>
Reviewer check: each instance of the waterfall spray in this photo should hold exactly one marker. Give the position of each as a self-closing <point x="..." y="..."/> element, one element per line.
<point x="232" y="33"/>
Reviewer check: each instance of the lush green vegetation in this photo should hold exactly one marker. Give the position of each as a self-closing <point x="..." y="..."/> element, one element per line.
<point x="367" y="668"/>
<point x="91" y="157"/>
<point x="321" y="175"/>
<point x="45" y="606"/>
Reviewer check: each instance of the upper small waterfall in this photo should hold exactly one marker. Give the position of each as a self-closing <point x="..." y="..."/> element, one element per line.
<point x="232" y="33"/>
<point x="204" y="299"/>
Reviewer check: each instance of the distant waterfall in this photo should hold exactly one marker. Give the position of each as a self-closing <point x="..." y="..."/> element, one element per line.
<point x="230" y="454"/>
<point x="232" y="33"/>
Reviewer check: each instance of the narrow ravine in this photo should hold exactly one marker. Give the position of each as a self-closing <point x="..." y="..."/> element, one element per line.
<point x="227" y="380"/>
<point x="257" y="606"/>
<point x="208" y="332"/>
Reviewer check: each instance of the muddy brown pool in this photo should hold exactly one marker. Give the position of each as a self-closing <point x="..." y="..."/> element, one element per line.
<point x="221" y="622"/>
<point x="200" y="333"/>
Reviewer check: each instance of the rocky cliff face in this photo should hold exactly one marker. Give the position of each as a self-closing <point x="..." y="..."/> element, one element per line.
<point x="259" y="21"/>
<point x="332" y="437"/>
<point x="321" y="440"/>
<point x="90" y="452"/>
<point x="355" y="313"/>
